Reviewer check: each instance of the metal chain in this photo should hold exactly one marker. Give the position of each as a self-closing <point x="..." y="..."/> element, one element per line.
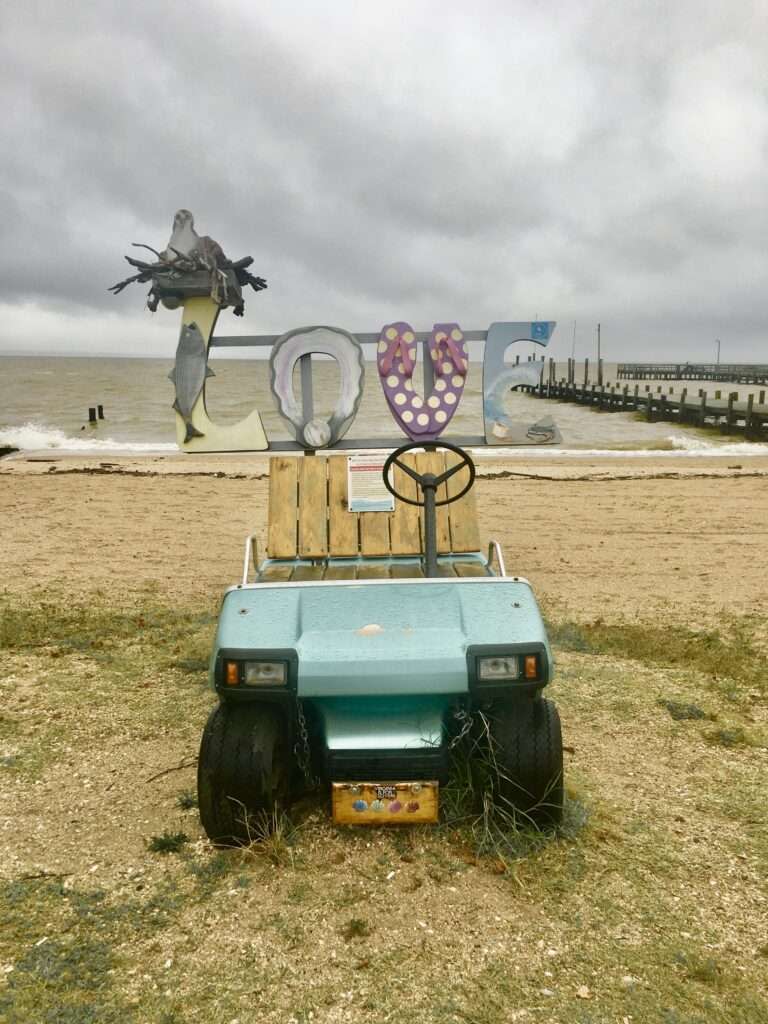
<point x="467" y="721"/>
<point x="301" y="747"/>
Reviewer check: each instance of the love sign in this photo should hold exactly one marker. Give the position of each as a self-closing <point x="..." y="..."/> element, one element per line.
<point x="421" y="417"/>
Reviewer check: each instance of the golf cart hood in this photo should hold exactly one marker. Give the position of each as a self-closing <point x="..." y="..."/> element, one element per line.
<point x="380" y="638"/>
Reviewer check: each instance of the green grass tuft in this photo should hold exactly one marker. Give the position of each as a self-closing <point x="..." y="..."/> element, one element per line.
<point x="683" y="712"/>
<point x="728" y="737"/>
<point x="187" y="800"/>
<point x="168" y="842"/>
<point x="732" y="657"/>
<point x="356" y="928"/>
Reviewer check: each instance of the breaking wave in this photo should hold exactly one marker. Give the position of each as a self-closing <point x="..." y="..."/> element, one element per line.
<point x="36" y="437"/>
<point x="673" y="447"/>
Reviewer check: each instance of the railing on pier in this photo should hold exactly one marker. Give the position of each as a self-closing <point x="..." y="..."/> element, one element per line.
<point x="736" y="373"/>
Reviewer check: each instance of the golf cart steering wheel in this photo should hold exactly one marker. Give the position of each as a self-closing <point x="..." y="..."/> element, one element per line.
<point x="430" y="479"/>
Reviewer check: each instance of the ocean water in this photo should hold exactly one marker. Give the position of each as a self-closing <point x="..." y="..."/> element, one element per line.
<point x="44" y="405"/>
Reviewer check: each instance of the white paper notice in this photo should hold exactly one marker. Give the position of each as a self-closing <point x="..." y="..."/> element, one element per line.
<point x="365" y="484"/>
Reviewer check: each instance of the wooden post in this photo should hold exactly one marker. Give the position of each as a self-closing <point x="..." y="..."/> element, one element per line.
<point x="702" y="407"/>
<point x="748" y="416"/>
<point x="718" y="395"/>
<point x="586" y="373"/>
<point x="600" y="373"/>
<point x="649" y="406"/>
<point x="100" y="410"/>
<point x="637" y="390"/>
<point x="663" y="411"/>
<point x="681" y="410"/>
<point x="761" y="399"/>
<point x="729" y="414"/>
<point x="92" y="415"/>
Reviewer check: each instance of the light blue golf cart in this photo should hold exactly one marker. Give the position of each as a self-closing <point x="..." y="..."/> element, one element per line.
<point x="365" y="646"/>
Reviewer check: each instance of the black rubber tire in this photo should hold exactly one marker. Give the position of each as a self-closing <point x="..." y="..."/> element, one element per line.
<point x="528" y="747"/>
<point x="243" y="769"/>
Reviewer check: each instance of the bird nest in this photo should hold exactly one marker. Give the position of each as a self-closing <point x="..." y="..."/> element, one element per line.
<point x="192" y="266"/>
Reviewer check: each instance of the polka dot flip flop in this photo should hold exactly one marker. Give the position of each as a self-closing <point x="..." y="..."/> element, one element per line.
<point x="422" y="418"/>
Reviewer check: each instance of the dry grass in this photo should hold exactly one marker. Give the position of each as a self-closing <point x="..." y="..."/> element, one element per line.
<point x="651" y="907"/>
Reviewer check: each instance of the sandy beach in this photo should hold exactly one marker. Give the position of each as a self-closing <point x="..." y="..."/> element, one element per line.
<point x="610" y="537"/>
<point x="650" y="904"/>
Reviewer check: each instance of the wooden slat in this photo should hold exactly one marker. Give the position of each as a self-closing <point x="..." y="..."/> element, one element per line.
<point x="404" y="526"/>
<point x="313" y="508"/>
<point x="373" y="571"/>
<point x="283" y="499"/>
<point x="462" y="514"/>
<point x="342" y="524"/>
<point x="469" y="569"/>
<point x="406" y="572"/>
<point x="302" y="573"/>
<point x="278" y="573"/>
<point x="340" y="572"/>
<point x="374" y="533"/>
<point x="434" y="462"/>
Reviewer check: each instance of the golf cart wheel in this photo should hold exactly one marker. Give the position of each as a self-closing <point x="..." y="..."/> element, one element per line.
<point x="242" y="771"/>
<point x="528" y="748"/>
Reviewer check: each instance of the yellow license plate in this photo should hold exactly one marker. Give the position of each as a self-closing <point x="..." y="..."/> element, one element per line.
<point x="384" y="803"/>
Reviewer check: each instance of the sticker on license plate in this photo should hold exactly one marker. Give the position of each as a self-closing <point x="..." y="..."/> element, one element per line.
<point x="384" y="803"/>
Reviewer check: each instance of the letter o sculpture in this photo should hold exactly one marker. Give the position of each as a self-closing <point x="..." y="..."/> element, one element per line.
<point x="345" y="349"/>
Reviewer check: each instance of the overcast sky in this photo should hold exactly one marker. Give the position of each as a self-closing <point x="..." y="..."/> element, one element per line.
<point x="410" y="161"/>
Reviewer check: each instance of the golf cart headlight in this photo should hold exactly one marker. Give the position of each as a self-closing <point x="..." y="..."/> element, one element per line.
<point x="264" y="673"/>
<point x="491" y="669"/>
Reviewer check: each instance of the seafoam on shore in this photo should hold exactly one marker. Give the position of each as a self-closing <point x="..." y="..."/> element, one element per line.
<point x="32" y="437"/>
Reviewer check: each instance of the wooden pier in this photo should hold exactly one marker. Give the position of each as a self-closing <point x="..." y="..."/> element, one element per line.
<point x="723" y="412"/>
<point x="732" y="373"/>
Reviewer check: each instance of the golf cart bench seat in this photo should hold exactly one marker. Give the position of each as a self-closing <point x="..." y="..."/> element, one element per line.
<point x="283" y="571"/>
<point x="312" y="534"/>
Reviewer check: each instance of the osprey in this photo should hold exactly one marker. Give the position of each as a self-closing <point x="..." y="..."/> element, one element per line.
<point x="185" y="241"/>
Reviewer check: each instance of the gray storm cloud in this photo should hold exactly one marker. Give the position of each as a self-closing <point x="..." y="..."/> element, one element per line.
<point x="424" y="162"/>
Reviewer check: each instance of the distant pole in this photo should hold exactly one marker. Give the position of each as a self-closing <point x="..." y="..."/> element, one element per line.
<point x="717" y="342"/>
<point x="599" y="360"/>
<point x="573" y="343"/>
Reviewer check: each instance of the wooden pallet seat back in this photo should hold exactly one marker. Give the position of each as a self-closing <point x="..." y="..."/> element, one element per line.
<point x="309" y="516"/>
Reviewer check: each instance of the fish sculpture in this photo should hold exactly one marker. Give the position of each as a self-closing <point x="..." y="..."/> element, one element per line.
<point x="189" y="375"/>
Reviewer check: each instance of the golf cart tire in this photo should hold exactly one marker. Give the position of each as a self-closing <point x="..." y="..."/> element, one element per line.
<point x="242" y="770"/>
<point x="528" y="747"/>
